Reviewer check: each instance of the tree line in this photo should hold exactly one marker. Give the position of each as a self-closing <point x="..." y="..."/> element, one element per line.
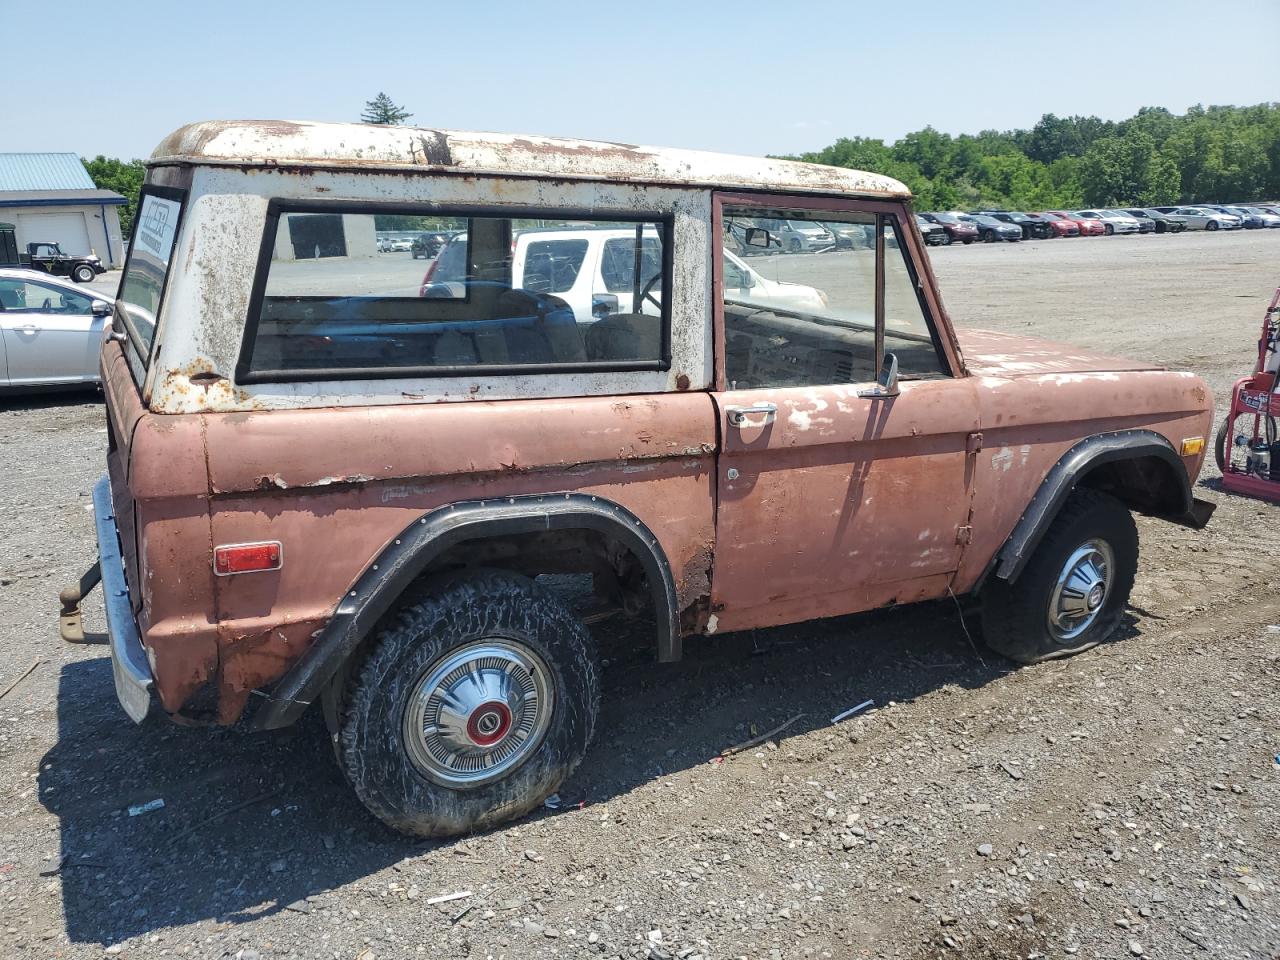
<point x="1206" y="155"/>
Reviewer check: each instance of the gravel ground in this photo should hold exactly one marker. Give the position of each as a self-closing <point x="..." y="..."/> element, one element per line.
<point x="1120" y="803"/>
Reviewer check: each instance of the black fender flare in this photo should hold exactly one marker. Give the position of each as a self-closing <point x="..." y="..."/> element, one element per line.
<point x="1063" y="477"/>
<point x="385" y="579"/>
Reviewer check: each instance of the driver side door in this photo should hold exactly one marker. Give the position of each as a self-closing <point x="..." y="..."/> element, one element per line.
<point x="51" y="335"/>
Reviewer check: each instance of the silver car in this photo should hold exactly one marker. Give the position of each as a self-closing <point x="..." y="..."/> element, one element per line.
<point x="50" y="331"/>
<point x="1112" y="221"/>
<point x="1202" y="218"/>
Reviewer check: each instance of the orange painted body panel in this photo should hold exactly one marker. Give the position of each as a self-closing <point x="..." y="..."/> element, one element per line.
<point x="841" y="503"/>
<point x="337" y="486"/>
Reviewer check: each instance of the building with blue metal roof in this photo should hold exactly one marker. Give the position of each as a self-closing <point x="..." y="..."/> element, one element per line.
<point x="51" y="197"/>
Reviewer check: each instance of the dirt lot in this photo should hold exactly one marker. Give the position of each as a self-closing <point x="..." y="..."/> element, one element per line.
<point x="1117" y="804"/>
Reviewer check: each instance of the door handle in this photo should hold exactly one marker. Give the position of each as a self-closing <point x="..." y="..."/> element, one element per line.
<point x="28" y="328"/>
<point x="737" y="416"/>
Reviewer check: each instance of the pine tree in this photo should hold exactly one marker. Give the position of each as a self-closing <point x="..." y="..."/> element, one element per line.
<point x="381" y="109"/>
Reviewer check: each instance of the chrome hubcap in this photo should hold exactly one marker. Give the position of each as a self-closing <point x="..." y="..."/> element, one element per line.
<point x="478" y="713"/>
<point x="1081" y="590"/>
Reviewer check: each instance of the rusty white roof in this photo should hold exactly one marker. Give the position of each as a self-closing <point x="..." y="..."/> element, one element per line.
<point x="288" y="143"/>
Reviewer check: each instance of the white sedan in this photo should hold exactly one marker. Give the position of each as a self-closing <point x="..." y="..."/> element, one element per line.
<point x="50" y="331"/>
<point x="1112" y="222"/>
<point x="1202" y="218"/>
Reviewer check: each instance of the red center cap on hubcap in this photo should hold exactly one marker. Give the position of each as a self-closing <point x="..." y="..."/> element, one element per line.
<point x="489" y="723"/>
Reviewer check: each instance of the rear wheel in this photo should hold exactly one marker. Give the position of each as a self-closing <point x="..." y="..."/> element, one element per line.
<point x="1074" y="589"/>
<point x="471" y="707"/>
<point x="83" y="273"/>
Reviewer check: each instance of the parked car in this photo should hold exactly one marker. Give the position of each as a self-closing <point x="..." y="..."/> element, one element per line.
<point x="47" y="257"/>
<point x="590" y="270"/>
<point x="1089" y="227"/>
<point x="1250" y="221"/>
<point x="1112" y="222"/>
<point x="1033" y="227"/>
<point x="798" y="236"/>
<point x="1204" y="218"/>
<point x="850" y="236"/>
<point x="1062" y="227"/>
<point x="720" y="464"/>
<point x="1270" y="217"/>
<point x="1156" y="221"/>
<point x="1145" y="224"/>
<point x="934" y="234"/>
<point x="50" y="331"/>
<point x="427" y="245"/>
<point x="990" y="229"/>
<point x="957" y="230"/>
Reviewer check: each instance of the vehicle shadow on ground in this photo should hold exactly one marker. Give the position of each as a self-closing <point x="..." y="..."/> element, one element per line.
<point x="253" y="824"/>
<point x="45" y="398"/>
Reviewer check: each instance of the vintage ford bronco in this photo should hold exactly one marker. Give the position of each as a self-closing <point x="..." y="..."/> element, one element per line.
<point x="334" y="482"/>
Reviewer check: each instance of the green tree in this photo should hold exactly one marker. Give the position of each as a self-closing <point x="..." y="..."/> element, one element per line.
<point x="1118" y="171"/>
<point x="382" y="109"/>
<point x="124" y="177"/>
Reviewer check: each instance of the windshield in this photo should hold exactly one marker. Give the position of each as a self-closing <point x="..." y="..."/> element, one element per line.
<point x="145" y="274"/>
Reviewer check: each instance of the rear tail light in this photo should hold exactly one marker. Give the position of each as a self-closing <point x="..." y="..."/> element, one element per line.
<point x="247" y="557"/>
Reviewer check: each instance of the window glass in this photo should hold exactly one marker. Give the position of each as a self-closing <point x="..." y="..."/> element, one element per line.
<point x="32" y="297"/>
<point x="806" y="317"/>
<point x="502" y="293"/>
<point x="618" y="266"/>
<point x="154" y="234"/>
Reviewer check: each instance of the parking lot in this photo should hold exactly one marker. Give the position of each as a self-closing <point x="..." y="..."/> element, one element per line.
<point x="1120" y="803"/>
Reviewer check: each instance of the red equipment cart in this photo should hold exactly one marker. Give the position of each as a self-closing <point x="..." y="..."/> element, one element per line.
<point x="1247" y="448"/>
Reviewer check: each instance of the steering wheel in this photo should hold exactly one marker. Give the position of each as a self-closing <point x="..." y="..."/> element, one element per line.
<point x="647" y="292"/>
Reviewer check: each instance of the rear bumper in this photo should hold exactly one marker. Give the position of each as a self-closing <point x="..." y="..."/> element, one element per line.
<point x="129" y="665"/>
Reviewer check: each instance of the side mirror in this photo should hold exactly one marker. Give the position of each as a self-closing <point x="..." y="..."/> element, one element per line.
<point x="101" y="308"/>
<point x="887" y="383"/>
<point x="603" y="304"/>
<point x="760" y="237"/>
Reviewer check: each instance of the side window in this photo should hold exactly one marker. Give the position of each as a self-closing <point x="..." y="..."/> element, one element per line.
<point x="807" y="317"/>
<point x="552" y="266"/>
<point x="617" y="267"/>
<point x="505" y="294"/>
<point x="40" y="298"/>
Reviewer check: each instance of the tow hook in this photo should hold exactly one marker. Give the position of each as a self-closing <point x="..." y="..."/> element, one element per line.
<point x="70" y="626"/>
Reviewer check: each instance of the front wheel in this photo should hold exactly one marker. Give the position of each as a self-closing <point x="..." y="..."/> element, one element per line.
<point x="946" y="239"/>
<point x="967" y="241"/>
<point x="1072" y="593"/>
<point x="989" y="236"/>
<point x="471" y="707"/>
<point x="83" y="273"/>
<point x="1108" y="229"/>
<point x="1211" y="225"/>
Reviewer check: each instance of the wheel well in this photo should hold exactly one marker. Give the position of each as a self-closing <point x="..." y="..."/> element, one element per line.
<point x="618" y="575"/>
<point x="1143" y="484"/>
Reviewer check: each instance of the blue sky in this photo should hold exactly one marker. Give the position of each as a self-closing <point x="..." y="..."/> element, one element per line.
<point x="746" y="77"/>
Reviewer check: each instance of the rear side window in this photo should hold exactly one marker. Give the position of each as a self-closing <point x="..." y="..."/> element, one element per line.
<point x="537" y="293"/>
<point x="145" y="275"/>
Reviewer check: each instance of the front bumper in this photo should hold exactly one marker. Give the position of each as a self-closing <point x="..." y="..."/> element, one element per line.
<point x="129" y="665"/>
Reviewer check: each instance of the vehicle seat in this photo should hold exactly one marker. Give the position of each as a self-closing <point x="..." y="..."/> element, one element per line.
<point x="625" y="336"/>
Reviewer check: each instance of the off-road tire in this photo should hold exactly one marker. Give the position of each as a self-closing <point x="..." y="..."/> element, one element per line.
<point x="83" y="274"/>
<point x="456" y="611"/>
<point x="1015" y="616"/>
